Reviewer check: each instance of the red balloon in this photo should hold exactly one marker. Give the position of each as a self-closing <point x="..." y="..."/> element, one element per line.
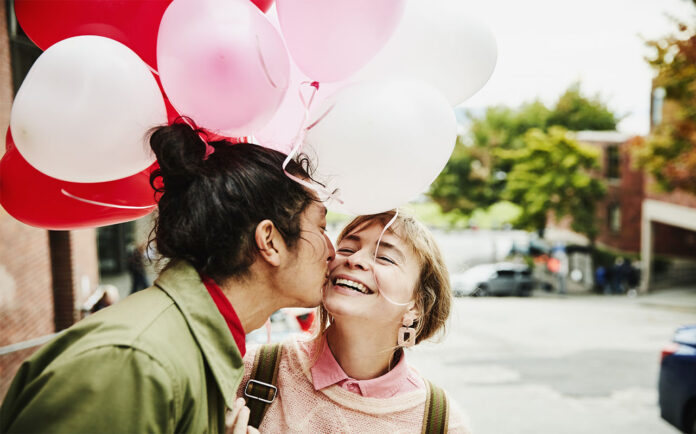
<point x="172" y="114"/>
<point x="131" y="22"/>
<point x="39" y="200"/>
<point x="264" y="5"/>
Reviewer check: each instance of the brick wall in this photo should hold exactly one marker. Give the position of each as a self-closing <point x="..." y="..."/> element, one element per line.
<point x="26" y="299"/>
<point x="26" y="290"/>
<point x="627" y="192"/>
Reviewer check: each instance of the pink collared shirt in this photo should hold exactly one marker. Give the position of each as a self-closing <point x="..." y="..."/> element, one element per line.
<point x="327" y="372"/>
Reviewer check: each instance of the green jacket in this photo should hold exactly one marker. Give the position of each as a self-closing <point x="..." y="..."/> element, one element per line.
<point x="162" y="360"/>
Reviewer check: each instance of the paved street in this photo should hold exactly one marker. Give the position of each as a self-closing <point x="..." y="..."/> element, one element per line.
<point x="583" y="364"/>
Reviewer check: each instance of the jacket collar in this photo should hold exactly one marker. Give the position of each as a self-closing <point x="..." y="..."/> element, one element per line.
<point x="183" y="284"/>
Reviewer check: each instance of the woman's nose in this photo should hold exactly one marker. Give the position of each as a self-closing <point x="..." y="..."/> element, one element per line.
<point x="359" y="259"/>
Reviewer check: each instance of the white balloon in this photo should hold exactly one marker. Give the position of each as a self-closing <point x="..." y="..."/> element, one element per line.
<point x="440" y="43"/>
<point x="83" y="111"/>
<point x="380" y="143"/>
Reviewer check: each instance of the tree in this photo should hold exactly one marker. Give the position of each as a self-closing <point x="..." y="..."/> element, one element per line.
<point x="577" y="112"/>
<point x="552" y="172"/>
<point x="479" y="171"/>
<point x="669" y="153"/>
<point x="474" y="177"/>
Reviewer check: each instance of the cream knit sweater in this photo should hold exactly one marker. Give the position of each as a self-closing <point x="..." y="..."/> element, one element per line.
<point x="298" y="408"/>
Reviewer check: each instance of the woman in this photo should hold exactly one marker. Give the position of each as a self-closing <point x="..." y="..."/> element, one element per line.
<point x="353" y="376"/>
<point x="241" y="240"/>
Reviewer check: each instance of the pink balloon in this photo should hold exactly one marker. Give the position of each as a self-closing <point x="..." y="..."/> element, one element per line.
<point x="222" y="63"/>
<point x="287" y="121"/>
<point x="331" y="39"/>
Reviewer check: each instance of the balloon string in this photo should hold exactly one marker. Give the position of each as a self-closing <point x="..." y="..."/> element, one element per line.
<point x="110" y="205"/>
<point x="299" y="140"/>
<point x="379" y="240"/>
<point x="263" y="63"/>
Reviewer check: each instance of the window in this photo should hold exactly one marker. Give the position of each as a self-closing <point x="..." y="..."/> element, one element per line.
<point x="613" y="166"/>
<point x="614" y="218"/>
<point x="23" y="52"/>
<point x="658" y="100"/>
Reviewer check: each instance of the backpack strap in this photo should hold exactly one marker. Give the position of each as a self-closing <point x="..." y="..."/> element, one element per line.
<point x="261" y="388"/>
<point x="436" y="417"/>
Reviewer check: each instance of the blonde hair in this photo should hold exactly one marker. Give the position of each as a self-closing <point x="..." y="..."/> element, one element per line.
<point x="433" y="292"/>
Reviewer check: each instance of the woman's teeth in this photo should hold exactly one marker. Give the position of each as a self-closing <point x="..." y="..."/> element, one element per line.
<point x="356" y="286"/>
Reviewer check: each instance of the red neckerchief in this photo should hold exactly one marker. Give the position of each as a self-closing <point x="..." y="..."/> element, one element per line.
<point x="225" y="307"/>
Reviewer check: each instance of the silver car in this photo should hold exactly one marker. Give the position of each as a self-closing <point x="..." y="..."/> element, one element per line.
<point x="503" y="278"/>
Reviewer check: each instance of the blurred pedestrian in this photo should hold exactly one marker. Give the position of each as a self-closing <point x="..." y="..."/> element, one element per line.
<point x="618" y="275"/>
<point x="136" y="267"/>
<point x="559" y="253"/>
<point x="601" y="279"/>
<point x="109" y="296"/>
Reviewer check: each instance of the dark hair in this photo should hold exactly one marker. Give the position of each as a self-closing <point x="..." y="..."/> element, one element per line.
<point x="208" y="208"/>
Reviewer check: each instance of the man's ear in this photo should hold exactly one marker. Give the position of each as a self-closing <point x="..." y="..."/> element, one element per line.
<point x="269" y="242"/>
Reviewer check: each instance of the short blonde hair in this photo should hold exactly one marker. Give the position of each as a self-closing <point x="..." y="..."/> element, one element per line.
<point x="433" y="292"/>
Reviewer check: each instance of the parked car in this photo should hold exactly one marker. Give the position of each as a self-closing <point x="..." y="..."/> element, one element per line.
<point x="503" y="278"/>
<point x="677" y="387"/>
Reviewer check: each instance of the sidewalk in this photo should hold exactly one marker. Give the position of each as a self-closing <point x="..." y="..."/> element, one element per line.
<point x="679" y="298"/>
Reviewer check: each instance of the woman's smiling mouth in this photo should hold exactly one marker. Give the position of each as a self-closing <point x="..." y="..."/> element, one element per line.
<point x="352" y="285"/>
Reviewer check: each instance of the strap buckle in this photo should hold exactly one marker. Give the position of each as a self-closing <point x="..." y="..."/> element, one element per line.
<point x="261" y="383"/>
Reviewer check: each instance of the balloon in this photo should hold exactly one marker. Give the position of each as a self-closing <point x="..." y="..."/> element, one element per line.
<point x="222" y="63"/>
<point x="264" y="5"/>
<point x="279" y="133"/>
<point x="132" y="23"/>
<point x="331" y="39"/>
<point x="380" y="143"/>
<point x="39" y="200"/>
<point x="83" y="110"/>
<point x="440" y="43"/>
<point x="172" y="114"/>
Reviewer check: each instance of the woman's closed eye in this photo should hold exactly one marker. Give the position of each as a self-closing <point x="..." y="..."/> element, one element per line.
<point x="386" y="259"/>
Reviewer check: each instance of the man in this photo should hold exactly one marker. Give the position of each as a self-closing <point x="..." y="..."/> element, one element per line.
<point x="241" y="240"/>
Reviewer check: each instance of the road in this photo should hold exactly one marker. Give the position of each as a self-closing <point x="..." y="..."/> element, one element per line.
<point x="583" y="364"/>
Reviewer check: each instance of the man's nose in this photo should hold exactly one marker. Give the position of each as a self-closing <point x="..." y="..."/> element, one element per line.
<point x="332" y="250"/>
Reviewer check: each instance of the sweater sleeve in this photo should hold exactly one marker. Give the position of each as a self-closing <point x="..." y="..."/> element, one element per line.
<point x="458" y="421"/>
<point x="107" y="389"/>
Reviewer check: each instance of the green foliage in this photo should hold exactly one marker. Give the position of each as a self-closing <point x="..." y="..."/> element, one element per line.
<point x="576" y="112"/>
<point x="472" y="164"/>
<point x="432" y="215"/>
<point x="498" y="145"/>
<point x="496" y="216"/>
<point x="669" y="153"/>
<point x="552" y="173"/>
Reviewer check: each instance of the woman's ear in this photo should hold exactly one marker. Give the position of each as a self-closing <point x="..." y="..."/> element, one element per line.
<point x="269" y="242"/>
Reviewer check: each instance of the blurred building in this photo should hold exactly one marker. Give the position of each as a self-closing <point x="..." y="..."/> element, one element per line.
<point x="635" y="217"/>
<point x="45" y="276"/>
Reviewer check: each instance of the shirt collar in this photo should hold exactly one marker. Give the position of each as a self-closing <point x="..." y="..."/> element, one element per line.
<point x="327" y="372"/>
<point x="183" y="284"/>
<point x="227" y="311"/>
